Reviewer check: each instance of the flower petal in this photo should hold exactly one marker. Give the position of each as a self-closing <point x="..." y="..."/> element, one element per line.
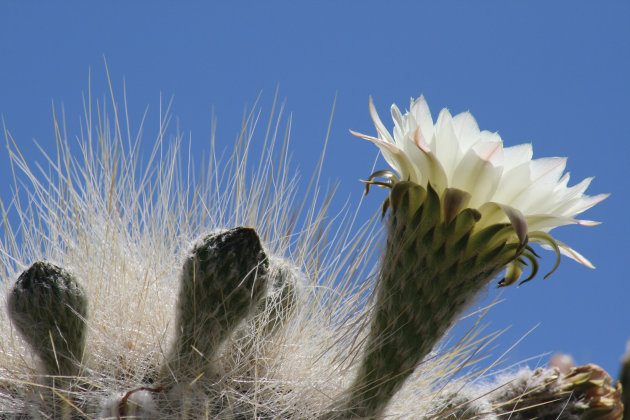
<point x="392" y="154"/>
<point x="447" y="148"/>
<point x="516" y="155"/>
<point x="466" y="129"/>
<point x="517" y="220"/>
<point x="435" y="172"/>
<point x="477" y="176"/>
<point x="495" y="213"/>
<point x="380" y="127"/>
<point x="546" y="222"/>
<point x="571" y="253"/>
<point x="419" y="111"/>
<point x="503" y="183"/>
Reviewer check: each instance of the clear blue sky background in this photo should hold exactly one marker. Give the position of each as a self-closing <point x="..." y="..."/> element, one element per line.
<point x="556" y="74"/>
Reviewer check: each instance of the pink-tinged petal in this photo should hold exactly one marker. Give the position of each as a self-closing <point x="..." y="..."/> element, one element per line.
<point x="536" y="199"/>
<point x="546" y="222"/>
<point x="380" y="127"/>
<point x="477" y="176"/>
<point x="436" y="174"/>
<point x="391" y="147"/>
<point x="571" y="253"/>
<point x="486" y="136"/>
<point x="572" y="201"/>
<point x="582" y="204"/>
<point x="404" y="139"/>
<point x="392" y="154"/>
<point x="580" y="187"/>
<point x="466" y="129"/>
<point x="447" y="148"/>
<point x="548" y="170"/>
<point x="564" y="181"/>
<point x="421" y="141"/>
<point x="419" y="111"/>
<point x="530" y="184"/>
<point x="397" y="116"/>
<point x="491" y="152"/>
<point x="589" y="223"/>
<point x="512" y="183"/>
<point x="517" y="155"/>
<point x="400" y="128"/>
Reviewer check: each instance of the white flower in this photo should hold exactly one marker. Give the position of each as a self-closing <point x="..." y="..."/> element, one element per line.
<point x="503" y="182"/>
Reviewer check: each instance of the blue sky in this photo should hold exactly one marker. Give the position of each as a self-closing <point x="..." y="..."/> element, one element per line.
<point x="552" y="73"/>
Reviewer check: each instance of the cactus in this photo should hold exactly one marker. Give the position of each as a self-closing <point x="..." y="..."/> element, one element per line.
<point x="584" y="392"/>
<point x="250" y="340"/>
<point x="263" y="332"/>
<point x="48" y="307"/>
<point x="222" y="280"/>
<point x="282" y="297"/>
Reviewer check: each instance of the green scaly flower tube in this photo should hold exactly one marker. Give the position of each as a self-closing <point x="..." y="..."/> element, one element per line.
<point x="434" y="265"/>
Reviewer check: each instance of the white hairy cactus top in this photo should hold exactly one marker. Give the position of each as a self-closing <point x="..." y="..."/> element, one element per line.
<point x="124" y="225"/>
